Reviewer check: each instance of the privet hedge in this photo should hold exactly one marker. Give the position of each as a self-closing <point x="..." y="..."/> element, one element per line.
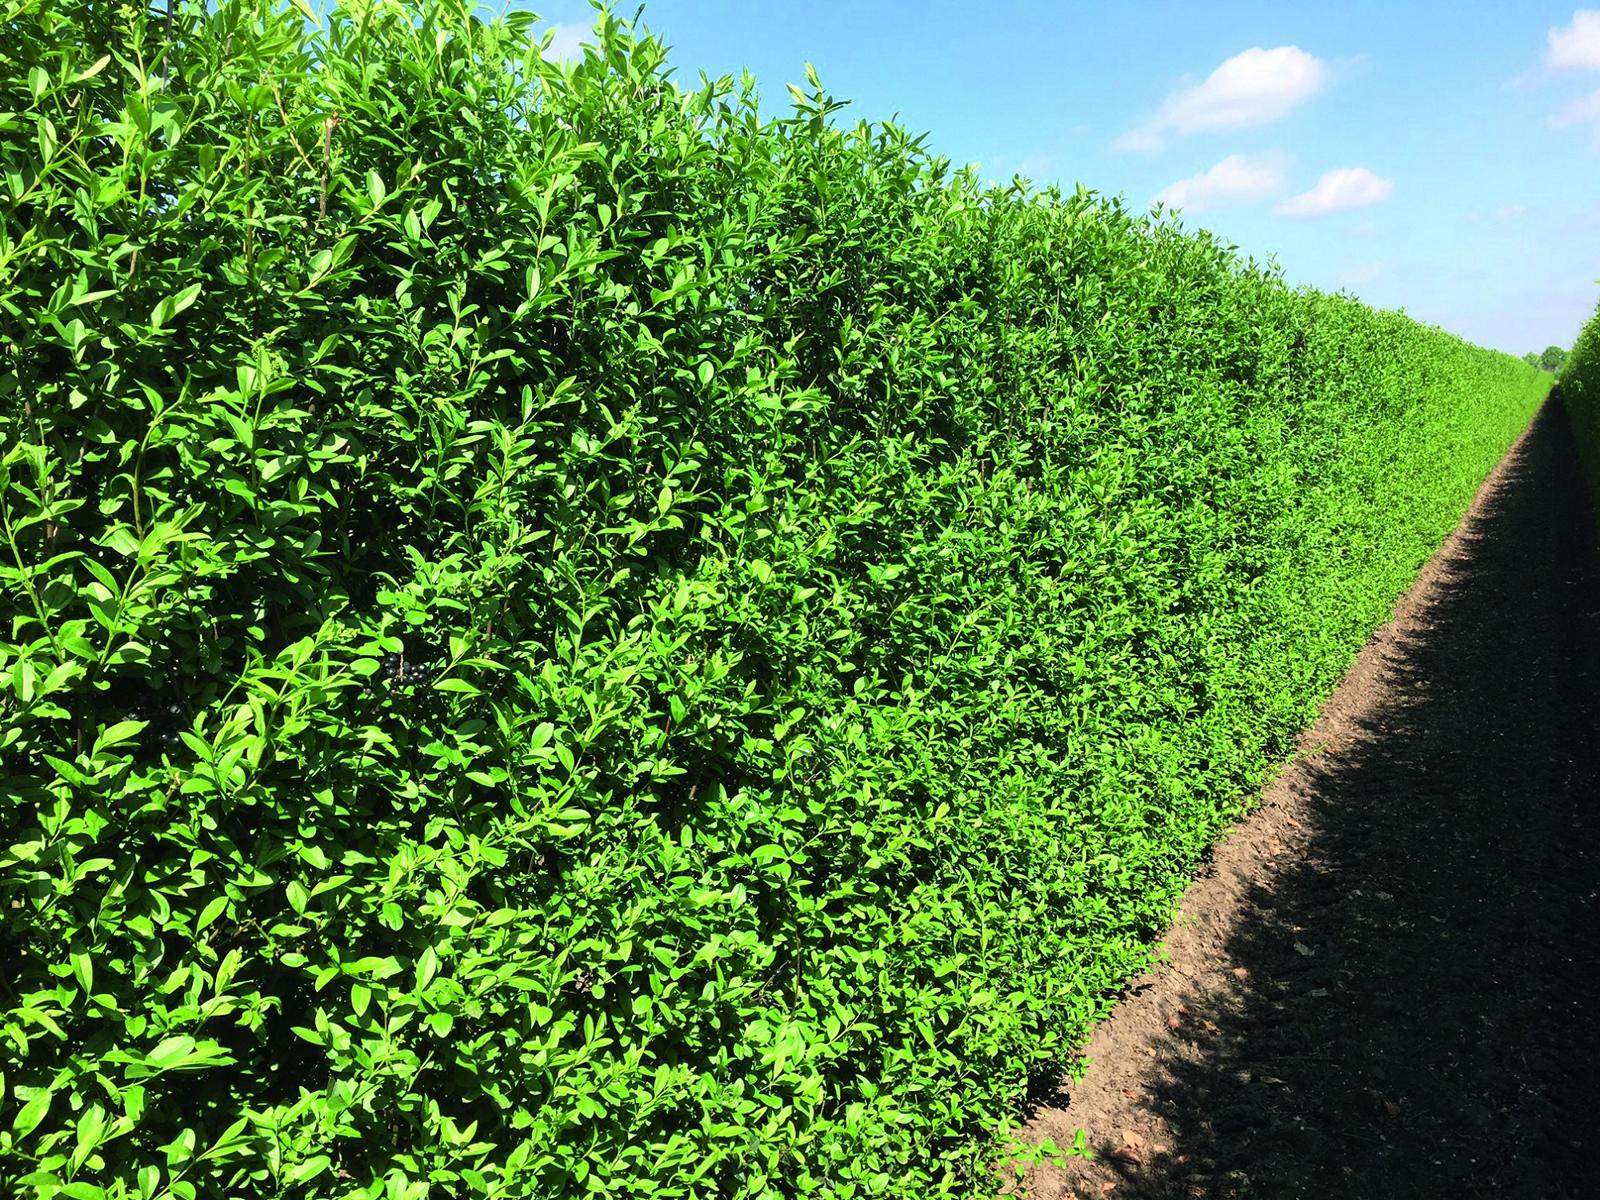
<point x="562" y="637"/>
<point x="1580" y="395"/>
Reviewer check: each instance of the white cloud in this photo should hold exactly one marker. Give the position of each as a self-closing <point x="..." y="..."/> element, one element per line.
<point x="1234" y="180"/>
<point x="567" y="44"/>
<point x="1362" y="273"/>
<point x="1348" y="187"/>
<point x="1036" y="166"/>
<point x="1576" y="46"/>
<point x="1142" y="139"/>
<point x="1256" y="87"/>
<point x="1503" y="215"/>
<point x="1585" y="110"/>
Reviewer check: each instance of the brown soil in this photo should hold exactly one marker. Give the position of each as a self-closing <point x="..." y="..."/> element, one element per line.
<point x="1384" y="985"/>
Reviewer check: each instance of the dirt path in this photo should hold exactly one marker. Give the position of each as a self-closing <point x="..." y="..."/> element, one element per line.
<point x="1386" y="984"/>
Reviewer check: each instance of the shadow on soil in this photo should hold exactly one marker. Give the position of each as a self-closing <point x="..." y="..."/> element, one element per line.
<point x="1420" y="1019"/>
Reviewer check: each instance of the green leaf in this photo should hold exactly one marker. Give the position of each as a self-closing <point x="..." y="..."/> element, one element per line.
<point x="310" y="1169"/>
<point x="83" y="970"/>
<point x="171" y="1052"/>
<point x="32" y="1113"/>
<point x="427" y="968"/>
<point x="162" y="314"/>
<point x="93" y="69"/>
<point x="117" y="735"/>
<point x="211" y="912"/>
<point x="89" y="1131"/>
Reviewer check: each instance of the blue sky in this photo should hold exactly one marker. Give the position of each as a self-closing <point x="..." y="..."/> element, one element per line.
<point x="1441" y="158"/>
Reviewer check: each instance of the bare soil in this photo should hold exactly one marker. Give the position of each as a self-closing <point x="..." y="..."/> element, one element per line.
<point x="1384" y="984"/>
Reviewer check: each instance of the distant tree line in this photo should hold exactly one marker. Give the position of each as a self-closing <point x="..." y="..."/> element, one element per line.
<point x="1552" y="360"/>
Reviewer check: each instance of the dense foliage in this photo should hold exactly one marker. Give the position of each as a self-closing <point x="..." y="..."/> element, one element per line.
<point x="562" y="637"/>
<point x="1580" y="395"/>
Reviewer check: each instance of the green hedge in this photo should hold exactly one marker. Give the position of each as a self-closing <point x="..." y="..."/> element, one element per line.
<point x="1580" y="395"/>
<point x="562" y="637"/>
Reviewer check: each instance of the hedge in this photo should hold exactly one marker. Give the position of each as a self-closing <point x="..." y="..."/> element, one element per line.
<point x="1580" y="396"/>
<point x="559" y="636"/>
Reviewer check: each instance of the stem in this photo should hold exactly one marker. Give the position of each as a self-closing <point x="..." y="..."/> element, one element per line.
<point x="27" y="583"/>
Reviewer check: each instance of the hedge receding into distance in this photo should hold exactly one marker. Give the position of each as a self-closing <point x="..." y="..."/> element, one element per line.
<point x="1580" y="396"/>
<point x="563" y="637"/>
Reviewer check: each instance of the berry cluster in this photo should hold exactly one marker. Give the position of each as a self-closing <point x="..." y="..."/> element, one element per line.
<point x="166" y="718"/>
<point x="163" y="716"/>
<point x="397" y="672"/>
